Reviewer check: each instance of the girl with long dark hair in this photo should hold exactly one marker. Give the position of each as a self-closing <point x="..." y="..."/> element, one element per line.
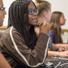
<point x="20" y="44"/>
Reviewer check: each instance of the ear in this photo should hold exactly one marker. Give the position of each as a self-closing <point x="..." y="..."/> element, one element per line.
<point x="45" y="14"/>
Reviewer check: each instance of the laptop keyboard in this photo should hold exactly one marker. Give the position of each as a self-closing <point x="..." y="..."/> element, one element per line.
<point x="60" y="63"/>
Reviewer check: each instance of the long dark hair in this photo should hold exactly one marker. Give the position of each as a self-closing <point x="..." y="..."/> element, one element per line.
<point x="17" y="11"/>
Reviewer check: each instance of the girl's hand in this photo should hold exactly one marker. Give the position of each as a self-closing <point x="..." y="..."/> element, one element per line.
<point x="37" y="30"/>
<point x="65" y="53"/>
<point x="42" y="28"/>
<point x="62" y="47"/>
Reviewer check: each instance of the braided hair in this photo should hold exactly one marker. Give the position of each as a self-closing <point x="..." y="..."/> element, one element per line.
<point x="17" y="11"/>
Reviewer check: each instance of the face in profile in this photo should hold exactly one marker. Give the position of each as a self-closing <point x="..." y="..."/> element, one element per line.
<point x="2" y="13"/>
<point x="62" y="20"/>
<point x="32" y="14"/>
<point x="48" y="16"/>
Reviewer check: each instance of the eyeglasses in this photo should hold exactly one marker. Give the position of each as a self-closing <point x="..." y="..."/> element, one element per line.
<point x="31" y="12"/>
<point x="3" y="8"/>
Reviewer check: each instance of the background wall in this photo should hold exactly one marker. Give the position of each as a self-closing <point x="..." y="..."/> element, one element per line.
<point x="57" y="5"/>
<point x="61" y="5"/>
<point x="6" y="5"/>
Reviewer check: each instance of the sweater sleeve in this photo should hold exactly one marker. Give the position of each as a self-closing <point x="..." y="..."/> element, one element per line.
<point x="23" y="54"/>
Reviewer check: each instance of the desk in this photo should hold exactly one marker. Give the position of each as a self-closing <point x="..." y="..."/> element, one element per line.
<point x="58" y="62"/>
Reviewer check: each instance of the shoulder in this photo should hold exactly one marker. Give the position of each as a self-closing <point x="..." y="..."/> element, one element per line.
<point x="6" y="34"/>
<point x="15" y="36"/>
<point x="51" y="32"/>
<point x="11" y="33"/>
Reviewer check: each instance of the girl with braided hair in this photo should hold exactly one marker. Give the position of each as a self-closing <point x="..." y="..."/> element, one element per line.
<point x="20" y="43"/>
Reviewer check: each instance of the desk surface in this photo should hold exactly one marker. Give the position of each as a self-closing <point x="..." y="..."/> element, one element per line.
<point x="58" y="62"/>
<point x="56" y="58"/>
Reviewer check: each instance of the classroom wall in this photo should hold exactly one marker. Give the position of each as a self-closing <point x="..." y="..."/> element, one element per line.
<point x="61" y="5"/>
<point x="6" y="5"/>
<point x="57" y="5"/>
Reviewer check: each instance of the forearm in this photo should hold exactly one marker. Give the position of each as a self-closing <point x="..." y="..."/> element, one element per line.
<point x="38" y="55"/>
<point x="53" y="53"/>
<point x="62" y="44"/>
<point x="31" y="58"/>
<point x="3" y="62"/>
